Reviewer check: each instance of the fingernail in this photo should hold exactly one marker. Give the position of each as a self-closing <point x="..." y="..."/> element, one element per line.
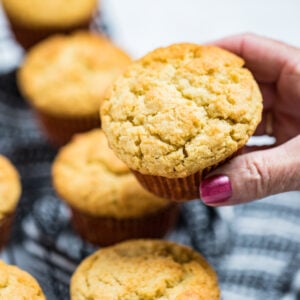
<point x="215" y="189"/>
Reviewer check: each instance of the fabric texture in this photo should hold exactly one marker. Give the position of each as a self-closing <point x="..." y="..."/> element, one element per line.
<point x="255" y="248"/>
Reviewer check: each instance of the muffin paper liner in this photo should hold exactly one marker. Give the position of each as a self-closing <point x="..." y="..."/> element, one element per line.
<point x="5" y="228"/>
<point x="177" y="189"/>
<point x="28" y="37"/>
<point x="60" y="130"/>
<point x="105" y="231"/>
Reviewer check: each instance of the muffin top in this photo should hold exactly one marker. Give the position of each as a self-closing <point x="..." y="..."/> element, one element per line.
<point x="67" y="75"/>
<point x="89" y="177"/>
<point x="145" y="269"/>
<point x="18" y="284"/>
<point x="10" y="187"/>
<point x="181" y="109"/>
<point x="49" y="13"/>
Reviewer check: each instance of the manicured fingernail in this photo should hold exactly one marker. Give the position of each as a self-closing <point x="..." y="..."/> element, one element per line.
<point x="215" y="189"/>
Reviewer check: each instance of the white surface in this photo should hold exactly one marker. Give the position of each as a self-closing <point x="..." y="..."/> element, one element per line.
<point x="142" y="25"/>
<point x="10" y="54"/>
<point x="139" y="26"/>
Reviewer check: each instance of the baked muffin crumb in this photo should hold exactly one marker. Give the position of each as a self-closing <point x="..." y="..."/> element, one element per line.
<point x="145" y="269"/>
<point x="89" y="177"/>
<point x="10" y="187"/>
<point x="18" y="284"/>
<point x="181" y="109"/>
<point x="68" y="75"/>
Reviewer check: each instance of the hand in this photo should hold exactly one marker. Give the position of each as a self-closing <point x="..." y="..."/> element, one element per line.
<point x="276" y="68"/>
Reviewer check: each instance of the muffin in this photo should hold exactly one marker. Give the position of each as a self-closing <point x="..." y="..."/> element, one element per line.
<point x="179" y="112"/>
<point x="10" y="190"/>
<point x="145" y="269"/>
<point x="108" y="204"/>
<point x="33" y="20"/>
<point x="64" y="78"/>
<point x="18" y="284"/>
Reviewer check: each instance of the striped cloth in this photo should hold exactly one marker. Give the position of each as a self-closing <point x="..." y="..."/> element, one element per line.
<point x="255" y="248"/>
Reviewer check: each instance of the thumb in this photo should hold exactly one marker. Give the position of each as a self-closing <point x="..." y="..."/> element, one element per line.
<point x="254" y="175"/>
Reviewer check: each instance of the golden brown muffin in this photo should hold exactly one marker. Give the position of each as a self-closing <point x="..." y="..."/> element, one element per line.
<point x="10" y="190"/>
<point x="178" y="112"/>
<point x="34" y="20"/>
<point x="145" y="269"/>
<point x="107" y="202"/>
<point x="65" y="78"/>
<point x="17" y="284"/>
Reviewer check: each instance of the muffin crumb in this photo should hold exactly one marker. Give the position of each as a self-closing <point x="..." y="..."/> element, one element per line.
<point x="181" y="109"/>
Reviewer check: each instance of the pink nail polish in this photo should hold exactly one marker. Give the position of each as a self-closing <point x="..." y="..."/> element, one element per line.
<point x="215" y="189"/>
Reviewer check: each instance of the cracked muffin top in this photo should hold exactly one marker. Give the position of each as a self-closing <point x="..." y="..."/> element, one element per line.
<point x="144" y="270"/>
<point x="181" y="109"/>
<point x="10" y="187"/>
<point x="89" y="177"/>
<point x="68" y="75"/>
<point x="18" y="284"/>
<point x="49" y="13"/>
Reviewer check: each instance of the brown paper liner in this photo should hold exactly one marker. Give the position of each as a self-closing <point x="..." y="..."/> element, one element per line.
<point x="59" y="130"/>
<point x="177" y="189"/>
<point x="105" y="231"/>
<point x="28" y="37"/>
<point x="5" y="229"/>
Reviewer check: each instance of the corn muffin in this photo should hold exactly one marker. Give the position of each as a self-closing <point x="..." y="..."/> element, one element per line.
<point x="178" y="112"/>
<point x="17" y="284"/>
<point x="33" y="20"/>
<point x="145" y="269"/>
<point x="10" y="190"/>
<point x="64" y="78"/>
<point x="108" y="204"/>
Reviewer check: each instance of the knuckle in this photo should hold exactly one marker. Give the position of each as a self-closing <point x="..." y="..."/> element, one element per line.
<point x="258" y="176"/>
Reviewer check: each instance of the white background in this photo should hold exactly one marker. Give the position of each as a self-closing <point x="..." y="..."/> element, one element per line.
<point x="139" y="26"/>
<point x="142" y="25"/>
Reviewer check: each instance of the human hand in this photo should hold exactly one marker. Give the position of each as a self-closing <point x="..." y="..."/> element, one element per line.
<point x="257" y="174"/>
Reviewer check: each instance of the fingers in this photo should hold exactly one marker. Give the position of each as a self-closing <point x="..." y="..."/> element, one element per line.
<point x="276" y="67"/>
<point x="264" y="57"/>
<point x="266" y="124"/>
<point x="254" y="175"/>
<point x="269" y="96"/>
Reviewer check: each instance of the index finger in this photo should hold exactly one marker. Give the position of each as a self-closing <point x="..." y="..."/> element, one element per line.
<point x="264" y="57"/>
